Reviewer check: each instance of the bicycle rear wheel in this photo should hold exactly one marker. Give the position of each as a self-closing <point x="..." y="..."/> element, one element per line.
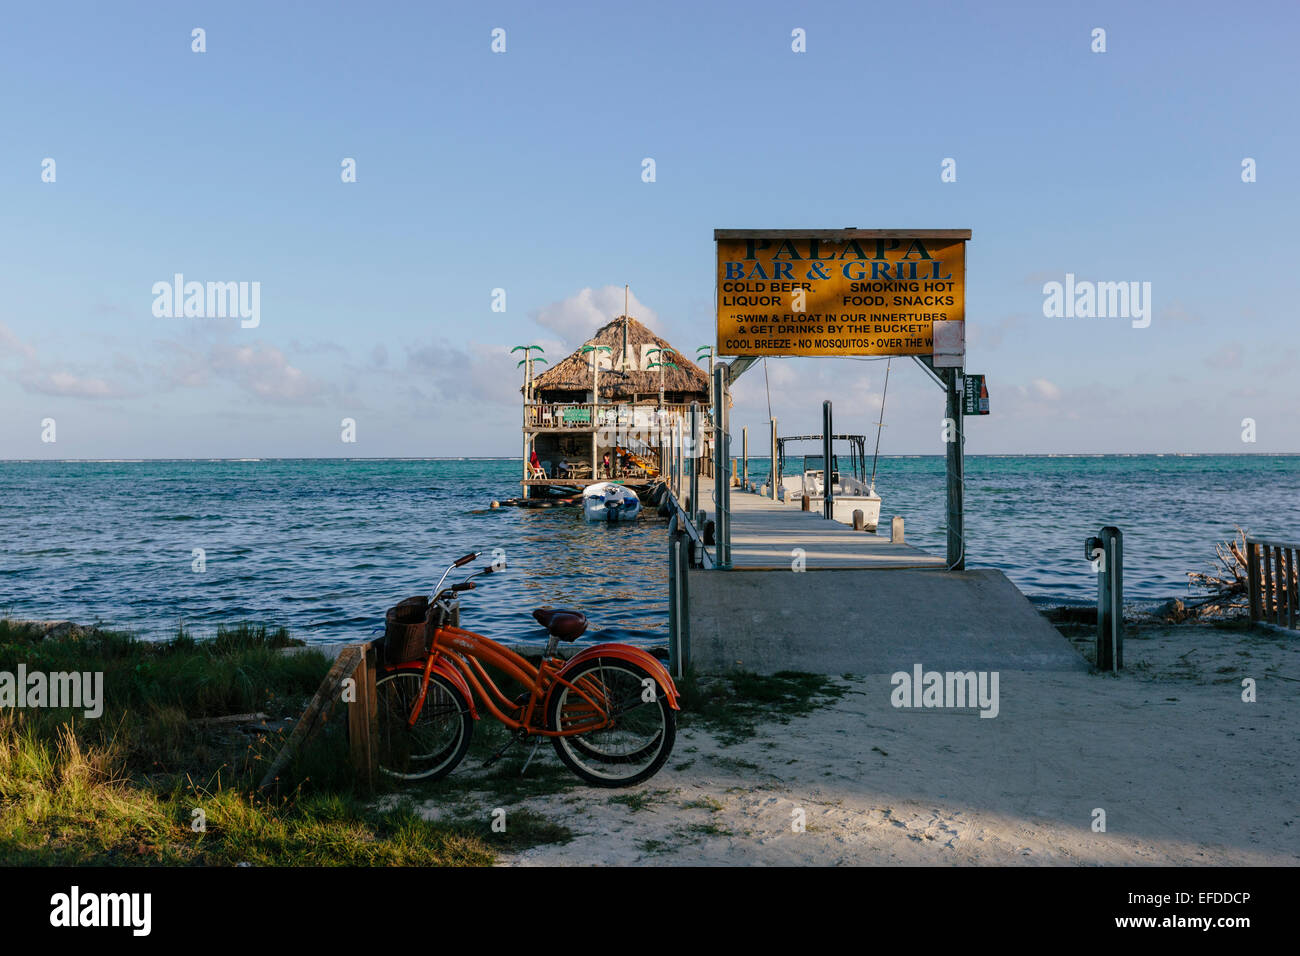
<point x="640" y="736"/>
<point x="441" y="735"/>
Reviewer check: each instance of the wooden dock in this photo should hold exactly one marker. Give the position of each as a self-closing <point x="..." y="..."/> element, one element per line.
<point x="765" y="535"/>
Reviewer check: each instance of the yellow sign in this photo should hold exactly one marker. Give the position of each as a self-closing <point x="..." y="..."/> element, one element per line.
<point x="838" y="292"/>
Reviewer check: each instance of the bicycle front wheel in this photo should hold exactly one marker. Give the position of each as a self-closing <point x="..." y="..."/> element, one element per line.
<point x="438" y="741"/>
<point x="641" y="728"/>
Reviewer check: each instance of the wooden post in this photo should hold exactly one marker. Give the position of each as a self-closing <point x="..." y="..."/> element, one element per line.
<point x="1292" y="588"/>
<point x="896" y="530"/>
<point x="1267" y="591"/>
<point x="363" y="721"/>
<point x="318" y="710"/>
<point x="1252" y="575"/>
<point x="1280" y="590"/>
<point x="859" y="520"/>
<point x="744" y="457"/>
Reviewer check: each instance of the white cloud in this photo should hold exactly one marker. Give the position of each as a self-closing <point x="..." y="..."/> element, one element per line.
<point x="69" y="385"/>
<point x="261" y="369"/>
<point x="11" y="345"/>
<point x="484" y="373"/>
<point x="265" y="371"/>
<point x="574" y="319"/>
<point x="1045" y="390"/>
<point x="1228" y="355"/>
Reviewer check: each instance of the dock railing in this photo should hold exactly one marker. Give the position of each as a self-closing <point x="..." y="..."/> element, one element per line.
<point x="688" y="546"/>
<point x="1274" y="590"/>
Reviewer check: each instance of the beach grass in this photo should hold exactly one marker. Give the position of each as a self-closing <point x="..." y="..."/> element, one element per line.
<point x="149" y="781"/>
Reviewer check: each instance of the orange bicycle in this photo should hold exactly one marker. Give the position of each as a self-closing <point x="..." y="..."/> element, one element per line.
<point x="608" y="710"/>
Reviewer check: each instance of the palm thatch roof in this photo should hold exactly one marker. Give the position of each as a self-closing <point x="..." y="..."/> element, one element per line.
<point x="574" y="372"/>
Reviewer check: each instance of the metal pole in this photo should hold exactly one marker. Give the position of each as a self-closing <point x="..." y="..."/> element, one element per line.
<point x="955" y="468"/>
<point x="528" y="368"/>
<point x="774" y="479"/>
<point x="676" y="458"/>
<point x="1110" y="599"/>
<point x="721" y="466"/>
<point x="674" y="608"/>
<point x="828" y="487"/>
<point x="693" y="456"/>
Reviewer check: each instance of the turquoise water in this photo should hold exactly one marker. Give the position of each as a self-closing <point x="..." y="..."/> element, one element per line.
<point x="324" y="546"/>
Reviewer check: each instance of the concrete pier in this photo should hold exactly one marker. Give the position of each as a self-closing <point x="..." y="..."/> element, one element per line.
<point x="810" y="594"/>
<point x="869" y="622"/>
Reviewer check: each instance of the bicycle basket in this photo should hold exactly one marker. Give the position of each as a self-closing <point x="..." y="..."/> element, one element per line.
<point x="405" y="636"/>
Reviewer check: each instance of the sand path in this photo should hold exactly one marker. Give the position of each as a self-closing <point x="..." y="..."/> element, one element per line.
<point x="1184" y="769"/>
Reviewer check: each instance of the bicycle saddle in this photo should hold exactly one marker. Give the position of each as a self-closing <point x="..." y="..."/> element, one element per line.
<point x="566" y="624"/>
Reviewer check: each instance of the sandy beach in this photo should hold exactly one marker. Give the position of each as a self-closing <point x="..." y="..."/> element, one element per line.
<point x="1186" y="772"/>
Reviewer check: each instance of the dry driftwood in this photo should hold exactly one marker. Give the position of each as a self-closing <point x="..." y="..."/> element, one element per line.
<point x="1226" y="587"/>
<point x="231" y="719"/>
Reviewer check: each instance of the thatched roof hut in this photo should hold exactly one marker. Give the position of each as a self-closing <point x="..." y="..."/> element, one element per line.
<point x="626" y="379"/>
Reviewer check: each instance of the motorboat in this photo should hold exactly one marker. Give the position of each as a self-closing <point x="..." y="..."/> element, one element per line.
<point x="609" y="501"/>
<point x="850" y="490"/>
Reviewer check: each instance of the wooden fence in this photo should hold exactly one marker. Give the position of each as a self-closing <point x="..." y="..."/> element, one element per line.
<point x="1271" y="569"/>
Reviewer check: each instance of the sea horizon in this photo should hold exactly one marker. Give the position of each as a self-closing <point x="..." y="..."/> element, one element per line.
<point x="519" y="458"/>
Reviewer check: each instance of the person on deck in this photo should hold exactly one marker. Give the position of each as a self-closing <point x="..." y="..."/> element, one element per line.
<point x="605" y="465"/>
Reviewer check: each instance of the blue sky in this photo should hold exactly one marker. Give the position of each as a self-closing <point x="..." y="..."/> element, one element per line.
<point x="522" y="171"/>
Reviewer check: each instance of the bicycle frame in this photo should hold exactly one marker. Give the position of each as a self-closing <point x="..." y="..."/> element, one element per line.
<point x="461" y="651"/>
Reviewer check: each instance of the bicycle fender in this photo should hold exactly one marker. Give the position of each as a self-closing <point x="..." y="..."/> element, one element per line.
<point x="446" y="670"/>
<point x="633" y="655"/>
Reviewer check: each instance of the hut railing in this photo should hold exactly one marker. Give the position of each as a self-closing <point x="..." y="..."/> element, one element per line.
<point x="1274" y="590"/>
<point x="590" y="415"/>
<point x="560" y="415"/>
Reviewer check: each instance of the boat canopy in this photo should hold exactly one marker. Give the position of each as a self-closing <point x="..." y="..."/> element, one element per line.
<point x="857" y="454"/>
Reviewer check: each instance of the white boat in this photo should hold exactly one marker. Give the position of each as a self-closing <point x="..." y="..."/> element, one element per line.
<point x="607" y="501"/>
<point x="850" y="491"/>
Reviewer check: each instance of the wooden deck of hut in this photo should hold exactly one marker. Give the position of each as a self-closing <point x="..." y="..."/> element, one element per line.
<point x="610" y="410"/>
